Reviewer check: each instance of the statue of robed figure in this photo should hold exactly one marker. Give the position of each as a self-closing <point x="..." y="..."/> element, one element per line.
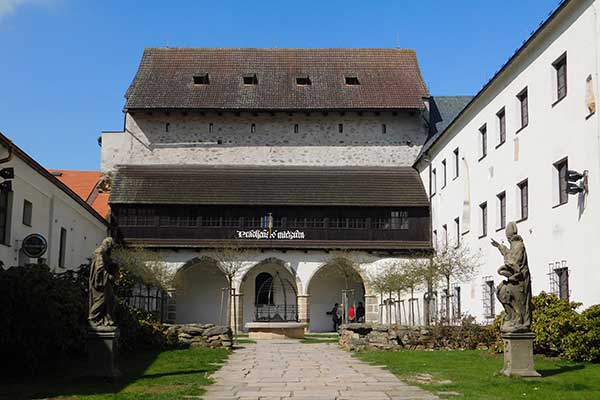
<point x="515" y="291"/>
<point x="103" y="274"/>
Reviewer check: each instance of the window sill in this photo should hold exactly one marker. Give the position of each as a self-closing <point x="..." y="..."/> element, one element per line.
<point x="442" y="187"/>
<point x="500" y="229"/>
<point x="482" y="236"/>
<point x="522" y="219"/>
<point x="500" y="144"/>
<point x="521" y="128"/>
<point x="482" y="157"/>
<point x="560" y="204"/>
<point x="590" y="115"/>
<point x="559" y="100"/>
<point x="455" y="178"/>
<point x="465" y="232"/>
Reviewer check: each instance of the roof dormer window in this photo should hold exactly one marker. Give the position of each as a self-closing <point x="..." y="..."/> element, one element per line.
<point x="303" y="80"/>
<point x="250" y="79"/>
<point x="352" y="80"/>
<point x="201" y="79"/>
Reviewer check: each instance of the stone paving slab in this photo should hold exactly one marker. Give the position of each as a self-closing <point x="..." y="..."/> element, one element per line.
<point x="288" y="369"/>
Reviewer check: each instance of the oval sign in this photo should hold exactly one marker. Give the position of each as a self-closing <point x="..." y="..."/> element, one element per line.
<point x="34" y="245"/>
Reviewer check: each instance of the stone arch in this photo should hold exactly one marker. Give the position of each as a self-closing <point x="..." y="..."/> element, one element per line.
<point x="281" y="272"/>
<point x="325" y="287"/>
<point x="199" y="291"/>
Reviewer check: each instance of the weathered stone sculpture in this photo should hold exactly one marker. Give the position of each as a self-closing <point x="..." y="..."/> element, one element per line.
<point x="515" y="292"/>
<point x="103" y="334"/>
<point x="515" y="295"/>
<point x="103" y="273"/>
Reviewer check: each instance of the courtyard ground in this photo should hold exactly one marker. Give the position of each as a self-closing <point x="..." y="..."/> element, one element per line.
<point x="168" y="375"/>
<point x="289" y="369"/>
<point x="471" y="375"/>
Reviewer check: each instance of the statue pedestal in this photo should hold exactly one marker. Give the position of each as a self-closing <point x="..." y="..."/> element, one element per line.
<point x="102" y="344"/>
<point x="518" y="355"/>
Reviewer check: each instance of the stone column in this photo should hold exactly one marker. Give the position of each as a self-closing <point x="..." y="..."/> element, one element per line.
<point x="238" y="300"/>
<point x="371" y="309"/>
<point x="304" y="308"/>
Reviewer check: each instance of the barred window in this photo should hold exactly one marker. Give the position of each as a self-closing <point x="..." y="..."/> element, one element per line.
<point x="357" y="223"/>
<point x="296" y="222"/>
<point x="399" y="220"/>
<point x="338" y="223"/>
<point x="382" y="223"/>
<point x="137" y="217"/>
<point x="315" y="222"/>
<point x="168" y="220"/>
<point x="188" y="221"/>
<point x="252" y="222"/>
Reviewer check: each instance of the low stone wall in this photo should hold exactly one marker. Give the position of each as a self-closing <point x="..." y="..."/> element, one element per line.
<point x="356" y="337"/>
<point x="201" y="335"/>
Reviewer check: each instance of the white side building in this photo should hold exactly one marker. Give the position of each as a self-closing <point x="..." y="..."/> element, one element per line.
<point x="506" y="157"/>
<point x="40" y="204"/>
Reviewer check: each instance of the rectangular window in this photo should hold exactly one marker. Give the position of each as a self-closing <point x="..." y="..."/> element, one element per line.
<point x="296" y="222"/>
<point x="63" y="248"/>
<point x="352" y="80"/>
<point x="456" y="305"/>
<point x="168" y="220"/>
<point x="399" y="220"/>
<point x="4" y="217"/>
<point x="250" y="80"/>
<point x="489" y="299"/>
<point x="210" y="127"/>
<point x="502" y="210"/>
<point x="338" y="223"/>
<point x="560" y="67"/>
<point x="524" y="199"/>
<point x="456" y="163"/>
<point x="27" y="212"/>
<point x="315" y="222"/>
<point x="434" y="240"/>
<point x="484" y="218"/>
<point x="483" y="136"/>
<point x="383" y="128"/>
<point x="253" y="128"/>
<point x="457" y="231"/>
<point x="211" y="222"/>
<point x="524" y="107"/>
<point x="341" y="128"/>
<point x="357" y="223"/>
<point x="296" y="128"/>
<point x="303" y="81"/>
<point x="433" y="181"/>
<point x="252" y="222"/>
<point x="231" y="222"/>
<point x="444" y="174"/>
<point x="501" y="126"/>
<point x="201" y="79"/>
<point x="562" y="168"/>
<point x="563" y="282"/>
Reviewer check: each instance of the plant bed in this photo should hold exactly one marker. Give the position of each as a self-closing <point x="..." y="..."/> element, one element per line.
<point x="474" y="374"/>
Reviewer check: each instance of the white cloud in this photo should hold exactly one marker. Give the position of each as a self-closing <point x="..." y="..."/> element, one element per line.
<point x="9" y="7"/>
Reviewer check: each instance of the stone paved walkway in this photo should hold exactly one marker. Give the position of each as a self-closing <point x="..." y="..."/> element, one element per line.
<point x="292" y="370"/>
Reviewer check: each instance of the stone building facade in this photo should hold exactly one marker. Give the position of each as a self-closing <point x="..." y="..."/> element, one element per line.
<point x="293" y="156"/>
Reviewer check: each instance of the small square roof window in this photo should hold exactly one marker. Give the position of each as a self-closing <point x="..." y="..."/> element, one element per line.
<point x="303" y="80"/>
<point x="250" y="79"/>
<point x="201" y="79"/>
<point x="352" y="80"/>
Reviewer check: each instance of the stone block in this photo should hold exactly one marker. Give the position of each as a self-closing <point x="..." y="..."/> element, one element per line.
<point x="518" y="355"/>
<point x="102" y="346"/>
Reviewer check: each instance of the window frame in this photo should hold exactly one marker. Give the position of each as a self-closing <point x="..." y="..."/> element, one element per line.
<point x="523" y="98"/>
<point x="5" y="217"/>
<point x="483" y="215"/>
<point x="457" y="228"/>
<point x="523" y="189"/>
<point x="27" y="216"/>
<point x="563" y="183"/>
<point x="456" y="155"/>
<point x="445" y="172"/>
<point x="501" y="210"/>
<point x="501" y="116"/>
<point x="62" y="249"/>
<point x="433" y="182"/>
<point x="560" y="64"/>
<point x="483" y="141"/>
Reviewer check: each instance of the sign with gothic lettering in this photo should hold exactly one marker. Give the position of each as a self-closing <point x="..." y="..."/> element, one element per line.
<point x="265" y="234"/>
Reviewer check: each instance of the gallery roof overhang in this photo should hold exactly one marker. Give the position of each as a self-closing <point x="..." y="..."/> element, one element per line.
<point x="268" y="185"/>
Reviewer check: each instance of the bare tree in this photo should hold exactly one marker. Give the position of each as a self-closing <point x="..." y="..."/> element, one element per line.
<point x="230" y="259"/>
<point x="453" y="264"/>
<point x="347" y="263"/>
<point x="145" y="264"/>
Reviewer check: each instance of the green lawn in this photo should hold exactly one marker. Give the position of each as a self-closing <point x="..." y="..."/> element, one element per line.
<point x="474" y="375"/>
<point x="167" y="375"/>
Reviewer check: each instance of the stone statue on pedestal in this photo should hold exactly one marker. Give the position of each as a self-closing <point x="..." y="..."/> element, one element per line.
<point x="103" y="273"/>
<point x="103" y="334"/>
<point x="515" y="292"/>
<point x="515" y="295"/>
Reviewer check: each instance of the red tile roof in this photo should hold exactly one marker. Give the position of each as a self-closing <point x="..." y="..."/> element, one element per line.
<point x="389" y="79"/>
<point x="84" y="183"/>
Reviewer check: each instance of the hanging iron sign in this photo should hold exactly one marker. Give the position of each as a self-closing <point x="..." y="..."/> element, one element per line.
<point x="34" y="245"/>
<point x="258" y="234"/>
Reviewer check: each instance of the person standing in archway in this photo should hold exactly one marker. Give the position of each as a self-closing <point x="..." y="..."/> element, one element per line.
<point x="336" y="317"/>
<point x="360" y="312"/>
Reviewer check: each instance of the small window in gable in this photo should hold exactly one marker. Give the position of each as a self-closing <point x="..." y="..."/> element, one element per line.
<point x="352" y="80"/>
<point x="303" y="80"/>
<point x="201" y="79"/>
<point x="250" y="80"/>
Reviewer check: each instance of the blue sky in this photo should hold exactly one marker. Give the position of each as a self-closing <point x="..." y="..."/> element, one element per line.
<point x="65" y="64"/>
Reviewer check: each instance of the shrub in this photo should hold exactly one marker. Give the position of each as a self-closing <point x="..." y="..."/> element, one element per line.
<point x="43" y="317"/>
<point x="140" y="329"/>
<point x="584" y="344"/>
<point x="468" y="335"/>
<point x="553" y="320"/>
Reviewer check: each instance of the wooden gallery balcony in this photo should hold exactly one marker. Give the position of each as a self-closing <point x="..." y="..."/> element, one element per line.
<point x="271" y="207"/>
